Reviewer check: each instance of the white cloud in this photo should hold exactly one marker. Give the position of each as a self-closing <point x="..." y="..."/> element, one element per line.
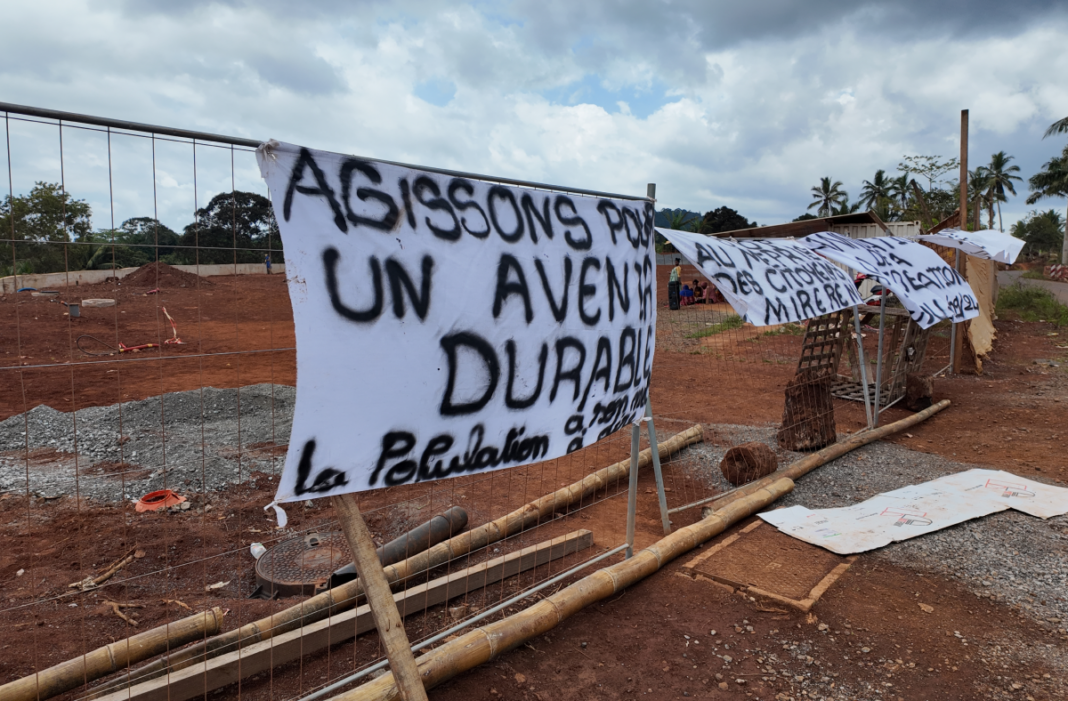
<point x="750" y="105"/>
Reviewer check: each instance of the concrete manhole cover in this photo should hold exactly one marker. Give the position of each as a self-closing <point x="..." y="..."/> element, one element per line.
<point x="764" y="562"/>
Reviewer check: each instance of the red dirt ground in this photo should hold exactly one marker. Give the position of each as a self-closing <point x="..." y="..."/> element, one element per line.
<point x="1012" y="417"/>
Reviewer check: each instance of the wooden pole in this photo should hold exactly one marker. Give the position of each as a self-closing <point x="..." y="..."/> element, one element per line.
<point x="111" y="658"/>
<point x="490" y="641"/>
<point x="198" y="681"/>
<point x="388" y="620"/>
<point x="346" y="596"/>
<point x="958" y="337"/>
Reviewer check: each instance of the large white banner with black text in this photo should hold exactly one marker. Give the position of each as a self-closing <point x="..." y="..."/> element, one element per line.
<point x="448" y="326"/>
<point x="768" y="281"/>
<point x="928" y="288"/>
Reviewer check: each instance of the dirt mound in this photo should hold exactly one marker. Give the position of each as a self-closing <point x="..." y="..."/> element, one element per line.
<point x="163" y="276"/>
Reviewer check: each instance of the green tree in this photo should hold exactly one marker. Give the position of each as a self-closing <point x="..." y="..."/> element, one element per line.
<point x="874" y="191"/>
<point x="723" y="219"/>
<point x="232" y="227"/>
<point x="844" y="207"/>
<point x="900" y="190"/>
<point x="1042" y="231"/>
<point x="1001" y="176"/>
<point x="1058" y="127"/>
<point x="1052" y="181"/>
<point x="981" y="193"/>
<point x="138" y="241"/>
<point x="827" y="195"/>
<point x="928" y="166"/>
<point x="42" y="223"/>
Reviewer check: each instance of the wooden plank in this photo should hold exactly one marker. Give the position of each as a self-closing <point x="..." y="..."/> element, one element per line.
<point x="200" y="679"/>
<point x="388" y="620"/>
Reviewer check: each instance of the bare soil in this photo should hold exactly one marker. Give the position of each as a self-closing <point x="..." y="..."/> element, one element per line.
<point x="1013" y="417"/>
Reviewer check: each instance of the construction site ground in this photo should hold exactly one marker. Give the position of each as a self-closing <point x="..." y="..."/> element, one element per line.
<point x="982" y="632"/>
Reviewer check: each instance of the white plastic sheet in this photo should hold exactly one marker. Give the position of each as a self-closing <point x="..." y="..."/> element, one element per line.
<point x="768" y="281"/>
<point x="918" y="509"/>
<point x="928" y="288"/>
<point x="448" y="326"/>
<point x="985" y="243"/>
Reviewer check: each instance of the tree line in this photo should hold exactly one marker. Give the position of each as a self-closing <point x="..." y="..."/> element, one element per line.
<point x="904" y="198"/>
<point x="49" y="230"/>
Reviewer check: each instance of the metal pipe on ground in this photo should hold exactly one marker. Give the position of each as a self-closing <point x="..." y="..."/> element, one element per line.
<point x="490" y="641"/>
<point x="344" y="597"/>
<point x="111" y="658"/>
<point x="438" y="529"/>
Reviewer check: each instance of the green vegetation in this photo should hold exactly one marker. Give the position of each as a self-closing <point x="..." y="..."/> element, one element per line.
<point x="731" y="322"/>
<point x="1043" y="233"/>
<point x="790" y="329"/>
<point x="1032" y="304"/>
<point x="53" y="232"/>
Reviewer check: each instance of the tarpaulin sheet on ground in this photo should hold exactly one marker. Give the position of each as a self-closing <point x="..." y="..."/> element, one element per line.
<point x="985" y="243"/>
<point x="448" y="326"/>
<point x="918" y="509"/>
<point x="768" y="281"/>
<point x="928" y="288"/>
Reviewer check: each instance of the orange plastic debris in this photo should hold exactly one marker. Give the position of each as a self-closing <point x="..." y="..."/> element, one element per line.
<point x="153" y="501"/>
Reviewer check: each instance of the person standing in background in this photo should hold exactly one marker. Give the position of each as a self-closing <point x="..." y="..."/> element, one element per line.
<point x="267" y="262"/>
<point x="673" y="285"/>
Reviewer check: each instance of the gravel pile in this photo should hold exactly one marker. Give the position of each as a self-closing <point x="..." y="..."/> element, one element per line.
<point x="188" y="441"/>
<point x="1008" y="556"/>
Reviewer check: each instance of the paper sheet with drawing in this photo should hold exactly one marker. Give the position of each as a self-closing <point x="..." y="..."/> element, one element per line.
<point x="918" y="509"/>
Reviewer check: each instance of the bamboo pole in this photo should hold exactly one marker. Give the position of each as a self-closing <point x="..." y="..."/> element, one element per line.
<point x="484" y="644"/>
<point x="388" y="620"/>
<point x="111" y="658"/>
<point x="344" y="597"/>
<point x="198" y="681"/>
<point x="490" y="641"/>
<point x="802" y="467"/>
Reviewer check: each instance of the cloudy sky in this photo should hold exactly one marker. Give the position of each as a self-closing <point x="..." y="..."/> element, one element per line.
<point x="719" y="103"/>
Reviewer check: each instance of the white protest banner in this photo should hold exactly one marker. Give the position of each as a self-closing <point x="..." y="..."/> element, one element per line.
<point x="448" y="326"/>
<point x="928" y="288"/>
<point x="768" y="281"/>
<point x="986" y="243"/>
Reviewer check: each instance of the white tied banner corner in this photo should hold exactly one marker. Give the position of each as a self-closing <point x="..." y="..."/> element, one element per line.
<point x="768" y="281"/>
<point x="448" y="326"/>
<point x="928" y="288"/>
<point x="985" y="243"/>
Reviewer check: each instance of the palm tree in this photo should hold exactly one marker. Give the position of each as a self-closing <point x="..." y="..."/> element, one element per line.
<point x="899" y="190"/>
<point x="845" y="208"/>
<point x="1052" y="181"/>
<point x="826" y="195"/>
<point x="875" y="190"/>
<point x="1058" y="127"/>
<point x="1000" y="177"/>
<point x="679" y="218"/>
<point x="981" y="192"/>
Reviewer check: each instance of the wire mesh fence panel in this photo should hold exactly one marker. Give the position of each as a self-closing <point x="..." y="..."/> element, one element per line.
<point x="147" y="373"/>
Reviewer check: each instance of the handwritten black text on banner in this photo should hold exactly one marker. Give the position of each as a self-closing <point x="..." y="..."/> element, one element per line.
<point x="448" y="326"/>
<point x="768" y="281"/>
<point x="928" y="288"/>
